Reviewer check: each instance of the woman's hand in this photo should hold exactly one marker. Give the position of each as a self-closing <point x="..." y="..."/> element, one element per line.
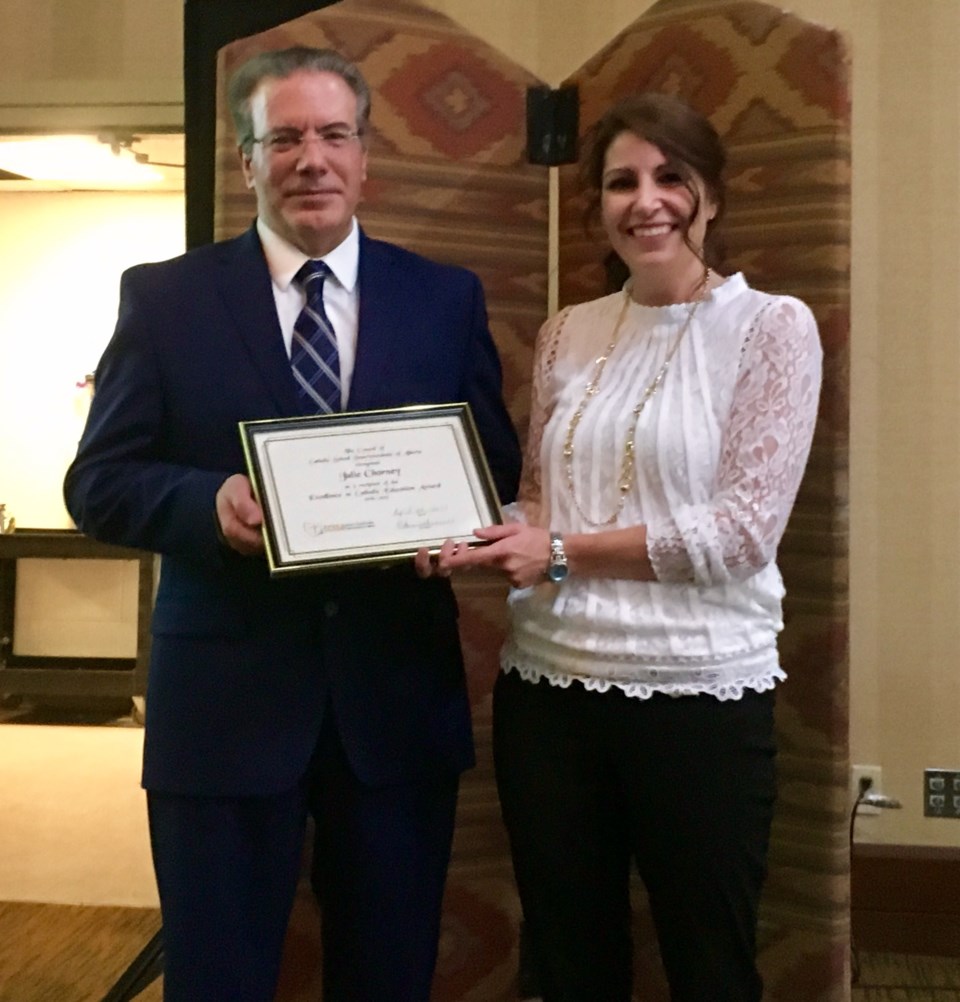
<point x="520" y="552"/>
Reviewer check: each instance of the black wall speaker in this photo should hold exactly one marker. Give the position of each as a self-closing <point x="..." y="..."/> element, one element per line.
<point x="553" y="121"/>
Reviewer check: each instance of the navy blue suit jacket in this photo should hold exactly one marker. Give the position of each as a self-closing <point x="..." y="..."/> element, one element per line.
<point x="243" y="665"/>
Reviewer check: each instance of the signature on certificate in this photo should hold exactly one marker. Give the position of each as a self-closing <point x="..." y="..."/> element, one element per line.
<point x="321" y="529"/>
<point x="423" y="516"/>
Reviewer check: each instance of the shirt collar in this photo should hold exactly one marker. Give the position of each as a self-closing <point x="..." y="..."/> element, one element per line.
<point x="284" y="260"/>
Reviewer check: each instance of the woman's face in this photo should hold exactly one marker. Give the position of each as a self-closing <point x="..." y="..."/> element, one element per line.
<point x="646" y="207"/>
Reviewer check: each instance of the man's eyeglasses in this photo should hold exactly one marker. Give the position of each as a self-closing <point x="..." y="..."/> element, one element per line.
<point x="287" y="140"/>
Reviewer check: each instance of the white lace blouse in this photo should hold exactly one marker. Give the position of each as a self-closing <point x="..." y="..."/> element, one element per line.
<point x="720" y="450"/>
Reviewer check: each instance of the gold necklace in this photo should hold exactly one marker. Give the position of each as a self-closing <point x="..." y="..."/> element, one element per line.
<point x="628" y="464"/>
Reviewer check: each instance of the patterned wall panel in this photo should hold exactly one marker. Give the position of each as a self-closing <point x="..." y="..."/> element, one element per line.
<point x="447" y="177"/>
<point x="448" y="171"/>
<point x="776" y="89"/>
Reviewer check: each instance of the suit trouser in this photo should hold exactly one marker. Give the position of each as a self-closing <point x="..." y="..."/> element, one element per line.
<point x="683" y="787"/>
<point x="227" y="870"/>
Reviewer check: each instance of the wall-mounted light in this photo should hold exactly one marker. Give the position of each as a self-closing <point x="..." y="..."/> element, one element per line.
<point x="80" y="161"/>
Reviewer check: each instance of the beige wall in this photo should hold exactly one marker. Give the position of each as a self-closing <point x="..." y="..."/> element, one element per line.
<point x="61" y="255"/>
<point x="91" y="63"/>
<point x="905" y="486"/>
<point x="905" y="463"/>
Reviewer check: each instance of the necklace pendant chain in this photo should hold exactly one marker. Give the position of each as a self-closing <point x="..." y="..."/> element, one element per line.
<point x="628" y="467"/>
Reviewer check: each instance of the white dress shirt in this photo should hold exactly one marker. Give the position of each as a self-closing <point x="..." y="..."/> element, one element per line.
<point x="341" y="295"/>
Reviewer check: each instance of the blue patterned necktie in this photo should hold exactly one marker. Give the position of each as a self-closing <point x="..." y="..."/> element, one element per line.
<point x="313" y="353"/>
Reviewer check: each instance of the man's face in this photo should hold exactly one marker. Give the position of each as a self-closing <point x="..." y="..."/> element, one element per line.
<point x="307" y="191"/>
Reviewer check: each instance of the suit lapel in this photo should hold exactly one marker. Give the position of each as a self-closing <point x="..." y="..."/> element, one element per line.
<point x="379" y="328"/>
<point x="244" y="283"/>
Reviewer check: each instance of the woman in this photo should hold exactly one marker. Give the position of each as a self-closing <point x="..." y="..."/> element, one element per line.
<point x="633" y="721"/>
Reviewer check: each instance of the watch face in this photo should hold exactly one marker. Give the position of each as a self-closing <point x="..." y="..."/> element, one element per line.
<point x="557" y="572"/>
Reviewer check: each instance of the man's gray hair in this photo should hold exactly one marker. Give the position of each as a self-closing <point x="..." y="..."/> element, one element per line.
<point x="284" y="63"/>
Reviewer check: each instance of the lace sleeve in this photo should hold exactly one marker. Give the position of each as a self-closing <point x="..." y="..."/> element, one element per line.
<point x="541" y="405"/>
<point x="762" y="458"/>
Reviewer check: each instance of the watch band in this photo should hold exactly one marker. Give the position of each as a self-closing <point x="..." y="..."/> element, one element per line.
<point x="557" y="568"/>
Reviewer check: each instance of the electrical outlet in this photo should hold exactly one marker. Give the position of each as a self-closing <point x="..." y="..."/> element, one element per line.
<point x="865" y="772"/>
<point x="941" y="793"/>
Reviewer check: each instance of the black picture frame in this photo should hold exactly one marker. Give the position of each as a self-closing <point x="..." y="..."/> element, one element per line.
<point x="368" y="488"/>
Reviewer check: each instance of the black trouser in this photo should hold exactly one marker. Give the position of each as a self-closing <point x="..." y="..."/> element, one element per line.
<point x="227" y="870"/>
<point x="684" y="787"/>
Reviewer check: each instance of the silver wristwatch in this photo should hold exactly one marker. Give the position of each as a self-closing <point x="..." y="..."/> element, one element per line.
<point x="557" y="568"/>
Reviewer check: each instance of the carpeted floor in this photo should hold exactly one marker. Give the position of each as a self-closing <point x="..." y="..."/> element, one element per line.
<point x="73" y="820"/>
<point x="70" y="953"/>
<point x="73" y="953"/>
<point x="896" y="977"/>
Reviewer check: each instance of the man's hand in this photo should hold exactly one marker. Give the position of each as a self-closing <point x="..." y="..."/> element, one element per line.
<point x="428" y="565"/>
<point x="239" y="516"/>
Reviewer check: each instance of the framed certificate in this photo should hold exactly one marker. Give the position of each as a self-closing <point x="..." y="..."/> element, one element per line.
<point x="367" y="487"/>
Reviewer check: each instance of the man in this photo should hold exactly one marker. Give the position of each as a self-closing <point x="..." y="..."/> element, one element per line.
<point x="339" y="694"/>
